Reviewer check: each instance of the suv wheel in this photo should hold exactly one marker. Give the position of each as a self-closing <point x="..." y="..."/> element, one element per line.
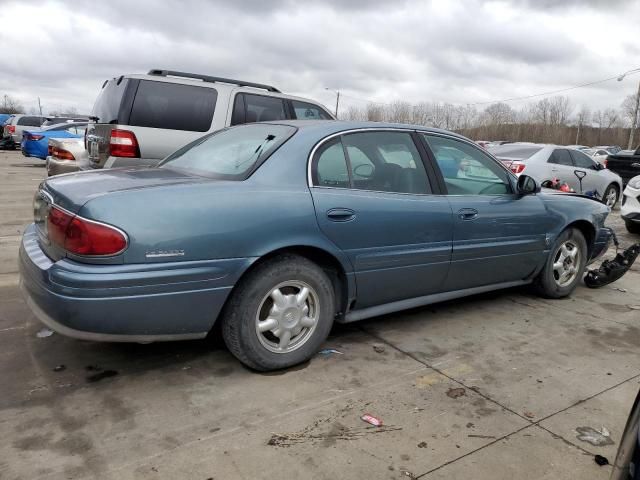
<point x="280" y="314"/>
<point x="564" y="266"/>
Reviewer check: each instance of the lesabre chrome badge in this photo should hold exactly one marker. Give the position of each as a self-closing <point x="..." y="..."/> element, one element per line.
<point x="164" y="253"/>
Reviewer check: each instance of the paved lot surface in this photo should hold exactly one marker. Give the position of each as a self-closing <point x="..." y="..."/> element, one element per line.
<point x="528" y="372"/>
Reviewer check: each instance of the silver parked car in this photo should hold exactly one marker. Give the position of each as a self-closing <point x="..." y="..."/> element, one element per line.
<point x="66" y="155"/>
<point x="548" y="162"/>
<point x="16" y="124"/>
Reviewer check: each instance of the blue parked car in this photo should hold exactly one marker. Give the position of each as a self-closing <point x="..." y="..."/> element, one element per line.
<point x="278" y="229"/>
<point x="4" y="117"/>
<point x="35" y="143"/>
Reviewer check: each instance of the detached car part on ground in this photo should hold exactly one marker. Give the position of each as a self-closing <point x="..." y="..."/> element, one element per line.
<point x="278" y="229"/>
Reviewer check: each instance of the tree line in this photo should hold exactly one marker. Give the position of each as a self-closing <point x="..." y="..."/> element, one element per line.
<point x="549" y="120"/>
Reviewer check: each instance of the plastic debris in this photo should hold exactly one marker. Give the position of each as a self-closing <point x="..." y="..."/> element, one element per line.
<point x="422" y="445"/>
<point x="378" y="348"/>
<point x="595" y="437"/>
<point x="59" y="368"/>
<point x="44" y="333"/>
<point x="376" y="422"/>
<point x="633" y="307"/>
<point x="330" y="351"/>
<point x="623" y="290"/>
<point x="600" y="460"/>
<point x="456" y="392"/>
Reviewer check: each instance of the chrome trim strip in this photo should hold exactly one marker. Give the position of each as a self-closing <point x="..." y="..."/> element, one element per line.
<point x="101" y="337"/>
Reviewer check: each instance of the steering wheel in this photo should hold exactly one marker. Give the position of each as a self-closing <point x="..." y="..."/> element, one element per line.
<point x="368" y="172"/>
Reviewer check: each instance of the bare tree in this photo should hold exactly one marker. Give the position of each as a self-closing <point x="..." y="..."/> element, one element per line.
<point x="498" y="114"/>
<point x="11" y="105"/>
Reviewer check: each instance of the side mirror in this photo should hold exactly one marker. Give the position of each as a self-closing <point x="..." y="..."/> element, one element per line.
<point x="599" y="166"/>
<point x="527" y="185"/>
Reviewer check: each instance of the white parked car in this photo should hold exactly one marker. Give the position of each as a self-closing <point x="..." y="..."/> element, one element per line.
<point x="630" y="209"/>
<point x="548" y="162"/>
<point x="598" y="154"/>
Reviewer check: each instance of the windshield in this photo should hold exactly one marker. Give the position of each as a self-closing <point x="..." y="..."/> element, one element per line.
<point x="232" y="153"/>
<point x="514" y="151"/>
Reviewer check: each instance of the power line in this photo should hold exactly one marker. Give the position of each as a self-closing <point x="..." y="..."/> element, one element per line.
<point x="512" y="99"/>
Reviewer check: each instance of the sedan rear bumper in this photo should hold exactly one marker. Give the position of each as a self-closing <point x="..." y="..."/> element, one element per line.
<point x="56" y="166"/>
<point x="125" y="303"/>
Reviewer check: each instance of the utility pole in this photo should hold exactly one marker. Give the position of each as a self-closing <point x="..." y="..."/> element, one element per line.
<point x="337" y="92"/>
<point x="634" y="123"/>
<point x="578" y="133"/>
<point x="39" y="106"/>
<point x="634" y="120"/>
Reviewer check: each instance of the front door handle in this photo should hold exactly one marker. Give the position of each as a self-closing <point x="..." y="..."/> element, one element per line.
<point x="467" y="214"/>
<point x="341" y="214"/>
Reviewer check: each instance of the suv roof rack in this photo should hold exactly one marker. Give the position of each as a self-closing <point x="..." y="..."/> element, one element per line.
<point x="207" y="78"/>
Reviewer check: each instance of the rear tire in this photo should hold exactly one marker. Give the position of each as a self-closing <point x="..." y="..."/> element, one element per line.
<point x="280" y="314"/>
<point x="609" y="194"/>
<point x="632" y="227"/>
<point x="565" y="265"/>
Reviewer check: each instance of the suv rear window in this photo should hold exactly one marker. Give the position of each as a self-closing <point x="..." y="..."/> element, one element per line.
<point x="173" y="106"/>
<point x="249" y="108"/>
<point x="107" y="106"/>
<point x="309" y="111"/>
<point x="230" y="154"/>
<point x="30" y="121"/>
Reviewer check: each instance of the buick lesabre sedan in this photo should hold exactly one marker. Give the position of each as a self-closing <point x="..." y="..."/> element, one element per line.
<point x="278" y="229"/>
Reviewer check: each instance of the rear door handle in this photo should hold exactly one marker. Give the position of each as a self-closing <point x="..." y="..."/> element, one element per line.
<point x="341" y="214"/>
<point x="467" y="214"/>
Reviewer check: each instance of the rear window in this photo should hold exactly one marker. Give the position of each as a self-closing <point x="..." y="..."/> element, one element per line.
<point x="30" y="121"/>
<point x="107" y="106"/>
<point x="515" y="152"/>
<point x="231" y="154"/>
<point x="173" y="106"/>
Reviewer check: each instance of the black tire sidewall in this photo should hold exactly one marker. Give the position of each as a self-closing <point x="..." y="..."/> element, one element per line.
<point x="247" y="299"/>
<point x="547" y="284"/>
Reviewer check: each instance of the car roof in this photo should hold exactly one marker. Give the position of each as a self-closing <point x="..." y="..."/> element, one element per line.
<point x="328" y="127"/>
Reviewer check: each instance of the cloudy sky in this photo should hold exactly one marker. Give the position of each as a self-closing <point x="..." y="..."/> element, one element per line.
<point x="461" y="52"/>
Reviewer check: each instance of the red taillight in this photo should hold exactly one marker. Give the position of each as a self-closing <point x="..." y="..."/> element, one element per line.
<point x="11" y="129"/>
<point x="606" y="162"/>
<point x="83" y="237"/>
<point x="61" y="153"/>
<point x="517" y="167"/>
<point x="123" y="143"/>
<point x="32" y="136"/>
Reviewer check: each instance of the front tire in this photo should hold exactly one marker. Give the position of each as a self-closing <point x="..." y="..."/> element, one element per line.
<point x="280" y="314"/>
<point x="611" y="196"/>
<point x="564" y="266"/>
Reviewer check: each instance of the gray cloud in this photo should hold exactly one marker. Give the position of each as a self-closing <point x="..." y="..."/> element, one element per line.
<point x="461" y="52"/>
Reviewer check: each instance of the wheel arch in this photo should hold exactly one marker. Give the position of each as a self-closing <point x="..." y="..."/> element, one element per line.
<point x="339" y="274"/>
<point x="588" y="231"/>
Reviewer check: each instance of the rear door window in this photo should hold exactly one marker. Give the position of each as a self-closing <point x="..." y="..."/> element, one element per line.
<point x="331" y="166"/>
<point x="309" y="111"/>
<point x="173" y="106"/>
<point x="560" y="156"/>
<point x="386" y="162"/>
<point x="249" y="108"/>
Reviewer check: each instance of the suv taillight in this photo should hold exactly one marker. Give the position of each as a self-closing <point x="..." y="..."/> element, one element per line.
<point x="517" y="167"/>
<point x="11" y="129"/>
<point x="123" y="143"/>
<point x="83" y="237"/>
